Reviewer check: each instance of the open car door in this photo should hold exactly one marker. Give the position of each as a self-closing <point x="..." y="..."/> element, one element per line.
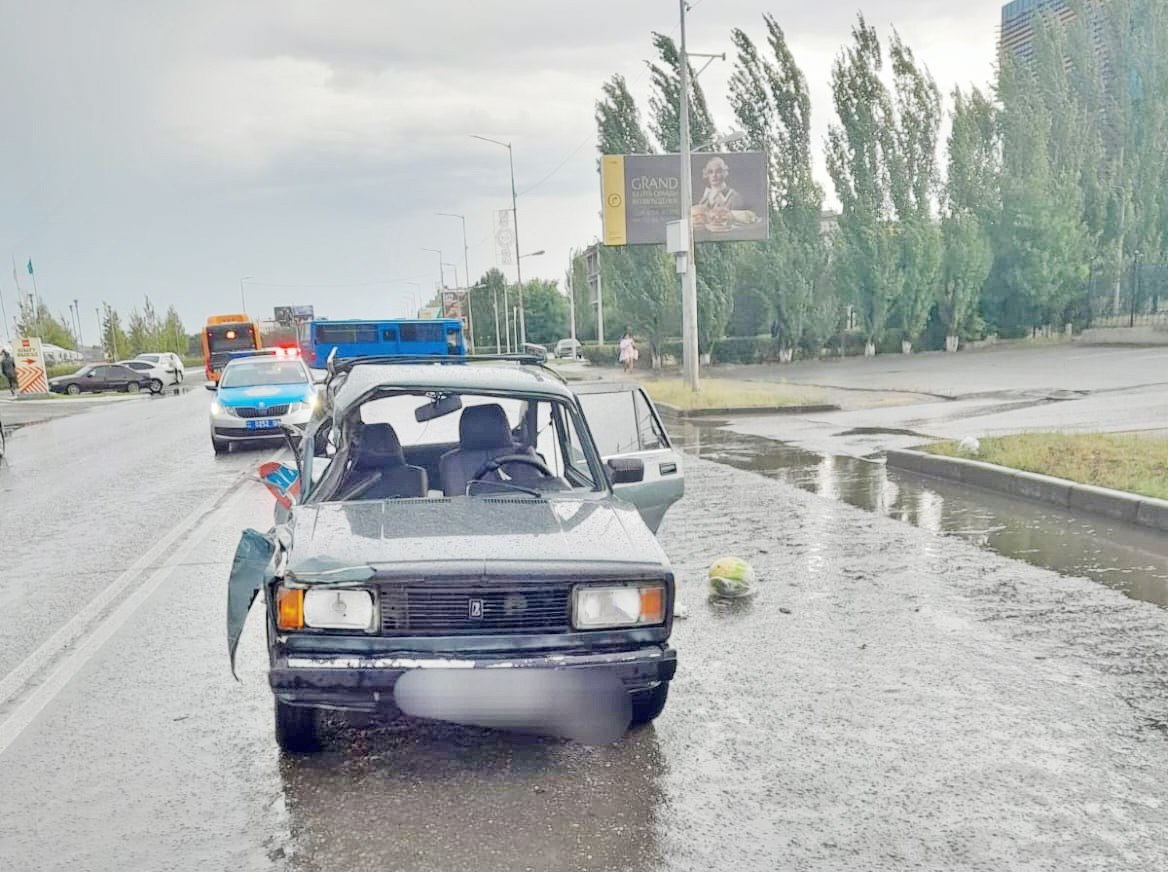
<point x="625" y="424"/>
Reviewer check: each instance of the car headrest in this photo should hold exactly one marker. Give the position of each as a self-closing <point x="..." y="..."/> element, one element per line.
<point x="378" y="445"/>
<point x="483" y="428"/>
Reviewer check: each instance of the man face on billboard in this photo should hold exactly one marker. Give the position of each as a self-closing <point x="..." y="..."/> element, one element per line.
<point x="716" y="172"/>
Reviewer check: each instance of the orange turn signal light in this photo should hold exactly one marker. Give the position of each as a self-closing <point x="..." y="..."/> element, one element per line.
<point x="652" y="605"/>
<point x="289" y="609"/>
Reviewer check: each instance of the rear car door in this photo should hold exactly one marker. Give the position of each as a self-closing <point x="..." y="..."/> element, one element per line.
<point x="625" y="424"/>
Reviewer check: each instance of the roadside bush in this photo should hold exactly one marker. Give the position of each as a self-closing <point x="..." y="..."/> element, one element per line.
<point x="62" y="369"/>
<point x="609" y="355"/>
<point x="600" y="355"/>
<point x="747" y="349"/>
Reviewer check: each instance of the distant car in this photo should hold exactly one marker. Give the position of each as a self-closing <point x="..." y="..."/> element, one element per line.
<point x="156" y="378"/>
<point x="256" y="394"/>
<point x="168" y="360"/>
<point x="568" y="348"/>
<point x="100" y="377"/>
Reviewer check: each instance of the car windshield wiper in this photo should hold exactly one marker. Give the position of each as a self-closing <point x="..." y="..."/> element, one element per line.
<point x="527" y="490"/>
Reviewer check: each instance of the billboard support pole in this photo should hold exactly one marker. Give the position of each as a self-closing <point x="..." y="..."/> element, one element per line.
<point x="689" y="290"/>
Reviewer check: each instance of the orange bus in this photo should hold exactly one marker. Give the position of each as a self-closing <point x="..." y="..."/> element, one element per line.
<point x="225" y="334"/>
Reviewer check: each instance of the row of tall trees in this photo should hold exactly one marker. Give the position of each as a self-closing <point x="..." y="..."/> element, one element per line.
<point x="143" y="331"/>
<point x="1052" y="184"/>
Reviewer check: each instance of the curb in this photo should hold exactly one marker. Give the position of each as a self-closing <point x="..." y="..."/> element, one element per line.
<point x="1117" y="505"/>
<point x="678" y="412"/>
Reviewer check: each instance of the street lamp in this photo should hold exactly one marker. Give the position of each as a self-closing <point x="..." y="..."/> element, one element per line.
<point x="455" y="268"/>
<point x="441" y="274"/>
<point x="515" y="221"/>
<point x="414" y="294"/>
<point x="466" y="272"/>
<point x="242" y="298"/>
<point x="723" y="141"/>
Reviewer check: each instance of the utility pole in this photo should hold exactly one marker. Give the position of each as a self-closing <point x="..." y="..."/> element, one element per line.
<point x="572" y="299"/>
<point x="77" y="309"/>
<point x="689" y="287"/>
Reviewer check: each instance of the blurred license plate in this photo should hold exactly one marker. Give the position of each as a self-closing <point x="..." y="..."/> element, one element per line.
<point x="263" y="424"/>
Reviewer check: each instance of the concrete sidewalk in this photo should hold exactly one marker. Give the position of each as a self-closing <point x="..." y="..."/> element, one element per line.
<point x="950" y="396"/>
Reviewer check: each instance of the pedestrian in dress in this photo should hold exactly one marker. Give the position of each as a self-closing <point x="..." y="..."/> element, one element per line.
<point x="628" y="352"/>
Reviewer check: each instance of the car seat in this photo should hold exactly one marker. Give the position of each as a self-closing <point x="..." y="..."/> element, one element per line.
<point x="379" y="470"/>
<point x="483" y="434"/>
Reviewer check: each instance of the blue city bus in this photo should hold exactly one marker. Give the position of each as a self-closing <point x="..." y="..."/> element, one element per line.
<point x="435" y="336"/>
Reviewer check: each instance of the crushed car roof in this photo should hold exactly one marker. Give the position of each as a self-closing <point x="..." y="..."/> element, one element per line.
<point x="503" y="378"/>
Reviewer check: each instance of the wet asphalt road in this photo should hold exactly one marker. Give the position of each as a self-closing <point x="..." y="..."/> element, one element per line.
<point x="891" y="699"/>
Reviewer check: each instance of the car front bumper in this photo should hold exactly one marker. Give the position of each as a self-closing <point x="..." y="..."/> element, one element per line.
<point x="365" y="683"/>
<point x="230" y="427"/>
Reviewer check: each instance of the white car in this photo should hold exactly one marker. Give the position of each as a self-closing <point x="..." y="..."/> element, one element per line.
<point x="154" y="376"/>
<point x="257" y="394"/>
<point x="568" y="348"/>
<point x="168" y="360"/>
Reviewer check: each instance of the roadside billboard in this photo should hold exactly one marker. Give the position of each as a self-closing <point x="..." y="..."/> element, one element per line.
<point x="641" y="193"/>
<point x="456" y="304"/>
<point x="289" y="315"/>
<point x="31" y="377"/>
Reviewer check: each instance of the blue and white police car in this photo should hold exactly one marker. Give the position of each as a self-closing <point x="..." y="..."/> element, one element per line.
<point x="257" y="393"/>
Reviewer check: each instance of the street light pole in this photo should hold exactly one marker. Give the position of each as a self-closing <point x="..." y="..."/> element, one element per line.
<point x="77" y="309"/>
<point x="515" y="222"/>
<point x="689" y="288"/>
<point x="466" y="274"/>
<point x="414" y="296"/>
<point x="242" y="297"/>
<point x="441" y="273"/>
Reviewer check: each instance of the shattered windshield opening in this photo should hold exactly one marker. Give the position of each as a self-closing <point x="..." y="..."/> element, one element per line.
<point x="441" y="444"/>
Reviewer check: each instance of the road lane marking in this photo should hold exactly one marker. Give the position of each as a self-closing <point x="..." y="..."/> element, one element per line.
<point x="94" y="620"/>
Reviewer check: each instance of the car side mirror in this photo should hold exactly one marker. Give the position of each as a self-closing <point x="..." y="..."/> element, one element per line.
<point x="626" y="470"/>
<point x="211" y="386"/>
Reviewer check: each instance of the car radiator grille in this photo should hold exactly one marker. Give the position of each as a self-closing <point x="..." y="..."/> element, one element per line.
<point x="269" y="412"/>
<point x="454" y="608"/>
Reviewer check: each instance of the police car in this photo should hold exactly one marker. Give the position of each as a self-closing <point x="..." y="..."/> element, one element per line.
<point x="258" y="392"/>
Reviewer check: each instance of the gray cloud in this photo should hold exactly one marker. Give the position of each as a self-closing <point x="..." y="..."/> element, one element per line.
<point x="168" y="148"/>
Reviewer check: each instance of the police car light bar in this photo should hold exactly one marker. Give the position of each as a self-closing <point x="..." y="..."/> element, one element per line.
<point x="279" y="351"/>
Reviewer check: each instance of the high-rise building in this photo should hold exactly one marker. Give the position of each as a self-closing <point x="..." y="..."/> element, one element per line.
<point x="1018" y="19"/>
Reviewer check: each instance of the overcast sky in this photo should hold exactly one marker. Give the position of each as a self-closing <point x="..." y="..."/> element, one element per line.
<point x="170" y="148"/>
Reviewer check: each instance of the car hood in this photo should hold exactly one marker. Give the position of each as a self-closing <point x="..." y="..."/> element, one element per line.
<point x="267" y="395"/>
<point x="333" y="542"/>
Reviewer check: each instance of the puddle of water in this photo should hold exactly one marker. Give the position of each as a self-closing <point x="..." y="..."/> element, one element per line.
<point x="1130" y="559"/>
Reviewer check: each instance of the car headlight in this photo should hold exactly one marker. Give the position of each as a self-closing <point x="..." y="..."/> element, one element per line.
<point x="216" y="409"/>
<point x="294" y="407"/>
<point x="338" y="609"/>
<point x="625" y="605"/>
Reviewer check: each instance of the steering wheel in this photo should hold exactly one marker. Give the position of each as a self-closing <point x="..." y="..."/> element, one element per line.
<point x="494" y="464"/>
